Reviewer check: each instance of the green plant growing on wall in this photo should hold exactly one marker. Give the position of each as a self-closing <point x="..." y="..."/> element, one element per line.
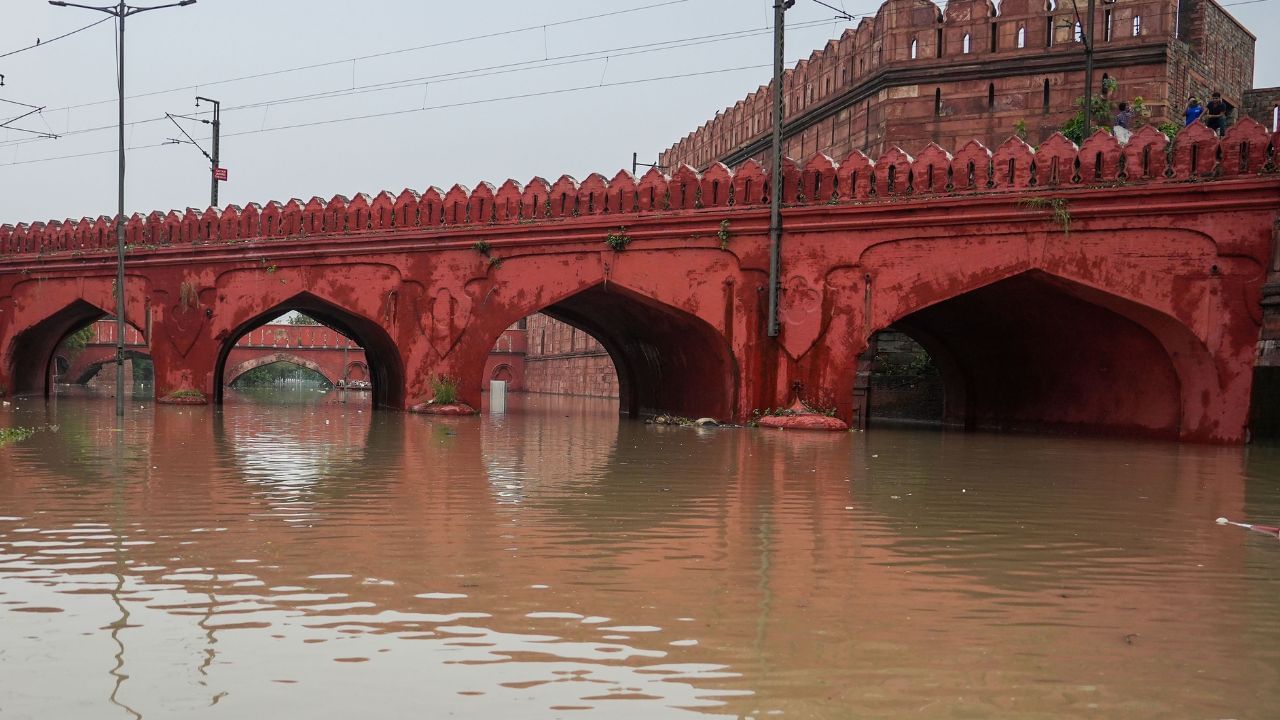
<point x="1100" y="110"/>
<point x="723" y="234"/>
<point x="444" y="391"/>
<point x="1169" y="128"/>
<point x="1058" y="207"/>
<point x="618" y="240"/>
<point x="481" y="247"/>
<point x="1020" y="129"/>
<point x="495" y="263"/>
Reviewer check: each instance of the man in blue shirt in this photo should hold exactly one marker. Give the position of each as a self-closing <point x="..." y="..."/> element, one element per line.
<point x="1216" y="112"/>
<point x="1194" y="110"/>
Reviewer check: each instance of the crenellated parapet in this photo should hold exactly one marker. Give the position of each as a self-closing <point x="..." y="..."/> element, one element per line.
<point x="1196" y="155"/>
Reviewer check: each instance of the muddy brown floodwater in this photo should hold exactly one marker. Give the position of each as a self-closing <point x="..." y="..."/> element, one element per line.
<point x="315" y="559"/>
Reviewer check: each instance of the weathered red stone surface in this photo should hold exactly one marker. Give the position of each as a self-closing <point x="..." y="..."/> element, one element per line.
<point x="1106" y="289"/>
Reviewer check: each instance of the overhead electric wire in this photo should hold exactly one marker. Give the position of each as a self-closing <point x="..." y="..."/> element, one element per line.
<point x="372" y="56"/>
<point x="54" y="40"/>
<point x="467" y="74"/>
<point x="407" y="111"/>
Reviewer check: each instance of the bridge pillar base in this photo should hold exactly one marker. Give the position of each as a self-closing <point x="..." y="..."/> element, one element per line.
<point x="184" y="397"/>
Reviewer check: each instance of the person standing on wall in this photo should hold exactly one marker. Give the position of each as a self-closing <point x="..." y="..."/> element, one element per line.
<point x="1122" y="126"/>
<point x="1194" y="109"/>
<point x="1215" y="113"/>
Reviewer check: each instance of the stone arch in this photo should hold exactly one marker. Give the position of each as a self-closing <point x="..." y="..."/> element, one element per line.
<point x="88" y="372"/>
<point x="232" y="374"/>
<point x="384" y="362"/>
<point x="667" y="359"/>
<point x="502" y="372"/>
<point x="356" y="371"/>
<point x="29" y="354"/>
<point x="1036" y="351"/>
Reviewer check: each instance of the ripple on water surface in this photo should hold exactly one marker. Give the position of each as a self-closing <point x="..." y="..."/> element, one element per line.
<point x="556" y="561"/>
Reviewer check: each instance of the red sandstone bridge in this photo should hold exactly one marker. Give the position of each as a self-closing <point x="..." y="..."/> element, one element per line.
<point x="1103" y="288"/>
<point x="335" y="358"/>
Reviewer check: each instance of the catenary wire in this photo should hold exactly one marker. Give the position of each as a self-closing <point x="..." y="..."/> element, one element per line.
<point x="371" y="56"/>
<point x="54" y="40"/>
<point x="407" y="111"/>
<point x="459" y="75"/>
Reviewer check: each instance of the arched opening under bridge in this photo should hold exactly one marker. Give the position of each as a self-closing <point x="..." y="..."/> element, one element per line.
<point x="1030" y="353"/>
<point x="72" y="347"/>
<point x="608" y="341"/>
<point x="313" y="334"/>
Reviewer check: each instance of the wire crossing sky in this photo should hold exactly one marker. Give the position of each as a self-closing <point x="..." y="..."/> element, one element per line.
<point x="324" y="98"/>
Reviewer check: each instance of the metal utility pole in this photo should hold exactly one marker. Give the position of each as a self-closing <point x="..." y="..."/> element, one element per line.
<point x="1086" y="39"/>
<point x="120" y="11"/>
<point x="775" y="200"/>
<point x="217" y="136"/>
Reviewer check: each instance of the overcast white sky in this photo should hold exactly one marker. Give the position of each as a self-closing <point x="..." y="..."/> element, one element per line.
<point x="577" y="132"/>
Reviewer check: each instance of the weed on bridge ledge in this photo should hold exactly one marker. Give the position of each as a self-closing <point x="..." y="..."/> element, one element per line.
<point x="1061" y="214"/>
<point x="618" y="240"/>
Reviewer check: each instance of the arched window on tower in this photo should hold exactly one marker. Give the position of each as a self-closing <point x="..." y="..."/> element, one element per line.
<point x="937" y="102"/>
<point x="915" y="47"/>
<point x="991" y="96"/>
<point x="1044" y="100"/>
<point x="964" y="44"/>
<point x="1137" y="25"/>
<point x="1022" y="36"/>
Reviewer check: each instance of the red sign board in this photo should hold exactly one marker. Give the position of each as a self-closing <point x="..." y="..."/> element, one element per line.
<point x="220" y="173"/>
